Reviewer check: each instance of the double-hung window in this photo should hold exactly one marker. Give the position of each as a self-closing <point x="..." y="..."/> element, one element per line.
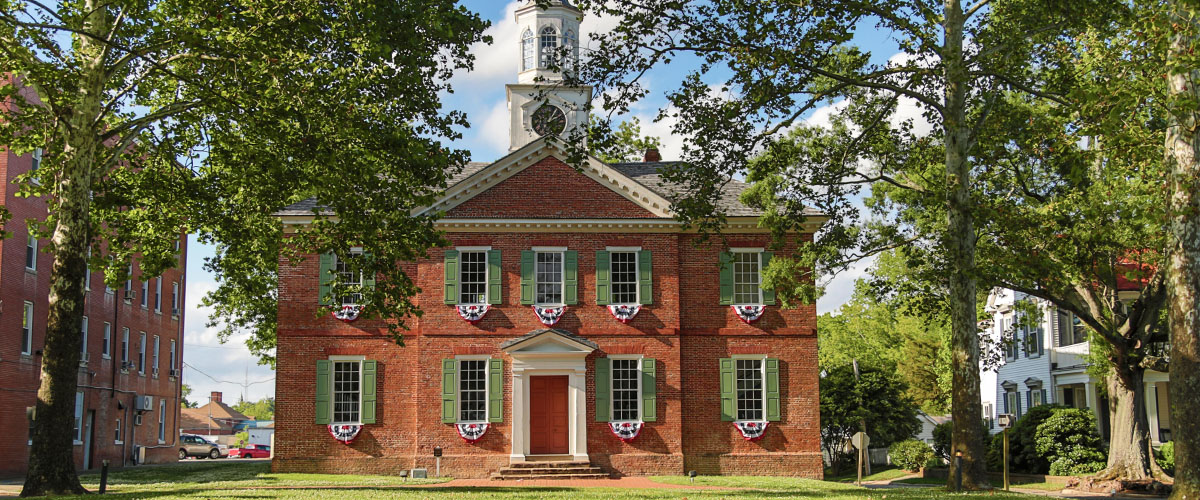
<point x="106" y="348"/>
<point x="172" y="366"/>
<point x="347" y="384"/>
<point x="1071" y="329"/>
<point x="175" y="298"/>
<point x="158" y="295"/>
<point x="750" y="392"/>
<point x="162" y="421"/>
<point x="348" y="279"/>
<point x="145" y="294"/>
<point x="124" y="347"/>
<point x="626" y="393"/>
<point x="79" y="417"/>
<point x="129" y="283"/>
<point x="142" y="355"/>
<point x="1012" y="402"/>
<point x="472" y="390"/>
<point x="624" y="269"/>
<point x="27" y="329"/>
<point x="549" y="278"/>
<point x="746" y="289"/>
<point x="154" y="366"/>
<point x="473" y="277"/>
<point x="83" y="331"/>
<point x="31" y="251"/>
<point x="1008" y="332"/>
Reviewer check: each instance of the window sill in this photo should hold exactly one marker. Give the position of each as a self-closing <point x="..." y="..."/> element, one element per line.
<point x="31" y="271"/>
<point x="158" y="312"/>
<point x="346" y="423"/>
<point x="77" y="443"/>
<point x="118" y="442"/>
<point x="102" y="356"/>
<point x="142" y="374"/>
<point x="161" y="442"/>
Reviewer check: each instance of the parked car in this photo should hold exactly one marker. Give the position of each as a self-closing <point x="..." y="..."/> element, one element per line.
<point x="195" y="446"/>
<point x="251" y="451"/>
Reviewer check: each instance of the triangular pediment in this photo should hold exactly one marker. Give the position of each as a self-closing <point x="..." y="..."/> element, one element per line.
<point x="533" y="153"/>
<point x="548" y="340"/>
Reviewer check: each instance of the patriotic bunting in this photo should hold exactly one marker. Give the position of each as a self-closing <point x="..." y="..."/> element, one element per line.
<point x="752" y="431"/>
<point x="471" y="432"/>
<point x="348" y="313"/>
<point x="344" y="433"/>
<point x="624" y="313"/>
<point x="626" y="431"/>
<point x="473" y="313"/>
<point x="749" y="314"/>
<point x="549" y="316"/>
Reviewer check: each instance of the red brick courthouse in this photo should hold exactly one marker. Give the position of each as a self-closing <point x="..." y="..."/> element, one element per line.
<point x="572" y="320"/>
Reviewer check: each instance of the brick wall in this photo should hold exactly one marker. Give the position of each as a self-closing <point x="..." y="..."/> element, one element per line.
<point x="560" y="191"/>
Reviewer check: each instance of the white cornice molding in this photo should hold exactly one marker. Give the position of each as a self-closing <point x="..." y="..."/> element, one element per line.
<point x="733" y="225"/>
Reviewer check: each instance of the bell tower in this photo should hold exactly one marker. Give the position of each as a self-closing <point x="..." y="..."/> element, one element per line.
<point x="541" y="103"/>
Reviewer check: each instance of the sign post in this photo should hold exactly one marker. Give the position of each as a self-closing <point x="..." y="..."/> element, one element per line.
<point x="861" y="441"/>
<point x="1005" y="420"/>
<point x="437" y="453"/>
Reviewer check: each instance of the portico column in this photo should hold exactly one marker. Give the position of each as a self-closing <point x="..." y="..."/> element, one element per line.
<point x="578" y="406"/>
<point x="1152" y="410"/>
<point x="519" y="420"/>
<point x="1089" y="390"/>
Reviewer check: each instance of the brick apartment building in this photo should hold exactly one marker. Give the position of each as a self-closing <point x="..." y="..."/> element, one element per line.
<point x="572" y="320"/>
<point x="133" y="340"/>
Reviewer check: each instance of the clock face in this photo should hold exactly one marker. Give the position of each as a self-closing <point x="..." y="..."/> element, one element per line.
<point x="549" y="120"/>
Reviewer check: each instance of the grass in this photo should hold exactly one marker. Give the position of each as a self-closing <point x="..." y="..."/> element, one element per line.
<point x="248" y="480"/>
<point x="1043" y="485"/>
<point x="880" y="475"/>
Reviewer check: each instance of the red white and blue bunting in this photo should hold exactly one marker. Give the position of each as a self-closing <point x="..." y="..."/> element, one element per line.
<point x="749" y="314"/>
<point x="549" y="316"/>
<point x="624" y="312"/>
<point x="626" y="431"/>
<point x="344" y="433"/>
<point x="471" y="432"/>
<point x="348" y="313"/>
<point x="752" y="431"/>
<point x="473" y="313"/>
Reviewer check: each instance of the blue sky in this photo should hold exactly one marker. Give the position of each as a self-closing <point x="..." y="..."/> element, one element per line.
<point x="212" y="366"/>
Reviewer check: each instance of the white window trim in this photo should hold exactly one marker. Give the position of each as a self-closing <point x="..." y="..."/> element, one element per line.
<point x="162" y="421"/>
<point x="83" y="349"/>
<point x="106" y="351"/>
<point x="79" y="415"/>
<point x="145" y="295"/>
<point x="32" y="242"/>
<point x="612" y="390"/>
<point x="763" y="372"/>
<point x="175" y="299"/>
<point x="157" y="347"/>
<point x="361" y="276"/>
<point x="333" y="391"/>
<point x="487" y="382"/>
<point x="755" y="250"/>
<point x="142" y="353"/>
<point x="124" y="348"/>
<point x="637" y="269"/>
<point x="158" y="295"/>
<point x="28" y="315"/>
<point x="562" y="275"/>
<point x="120" y="432"/>
<point x="486" y="272"/>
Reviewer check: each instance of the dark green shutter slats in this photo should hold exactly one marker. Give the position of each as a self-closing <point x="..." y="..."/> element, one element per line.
<point x="603" y="383"/>
<point x="495" y="278"/>
<point x="726" y="260"/>
<point x="645" y="278"/>
<point x="649" y="388"/>
<point x="324" y="408"/>
<point x="451" y="279"/>
<point x="728" y="392"/>
<point x="602" y="278"/>
<point x="570" y="277"/>
<point x="527" y="257"/>
<point x="495" y="390"/>
<point x="449" y="399"/>
<point x="768" y="294"/>
<point x="369" y="370"/>
<point x="773" y="411"/>
<point x="326" y="279"/>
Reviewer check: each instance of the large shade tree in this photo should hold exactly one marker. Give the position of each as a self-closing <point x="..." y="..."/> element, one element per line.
<point x="765" y="65"/>
<point x="161" y="118"/>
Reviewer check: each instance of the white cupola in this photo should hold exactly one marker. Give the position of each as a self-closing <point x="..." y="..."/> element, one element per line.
<point x="539" y="103"/>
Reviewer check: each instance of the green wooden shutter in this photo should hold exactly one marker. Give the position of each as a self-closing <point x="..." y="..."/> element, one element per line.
<point x="326" y="279"/>
<point x="726" y="260"/>
<point x="368" y="277"/>
<point x="495" y="390"/>
<point x="773" y="411"/>
<point x="649" y="388"/>
<point x="527" y="278"/>
<point x="645" y="279"/>
<point x="449" y="392"/>
<point x="728" y="391"/>
<point x="768" y="294"/>
<point x="570" y="277"/>
<point x="324" y="408"/>
<point x="603" y="384"/>
<point x="451" y="279"/>
<point x="369" y="368"/>
<point x="602" y="278"/>
<point x="495" y="278"/>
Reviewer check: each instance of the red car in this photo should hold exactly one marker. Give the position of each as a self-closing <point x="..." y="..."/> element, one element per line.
<point x="252" y="451"/>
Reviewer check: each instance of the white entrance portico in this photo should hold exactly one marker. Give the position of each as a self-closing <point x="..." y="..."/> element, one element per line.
<point x="549" y="352"/>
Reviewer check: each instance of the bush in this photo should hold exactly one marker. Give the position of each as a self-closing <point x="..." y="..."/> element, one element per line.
<point x="1069" y="440"/>
<point x="942" y="434"/>
<point x="910" y="454"/>
<point x="241" y="439"/>
<point x="1166" y="457"/>
<point x="1023" y="456"/>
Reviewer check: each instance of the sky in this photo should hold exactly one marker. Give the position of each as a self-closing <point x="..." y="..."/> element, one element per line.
<point x="212" y="366"/>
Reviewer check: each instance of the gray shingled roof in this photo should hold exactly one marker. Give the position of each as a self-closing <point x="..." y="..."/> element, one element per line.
<point x="561" y="333"/>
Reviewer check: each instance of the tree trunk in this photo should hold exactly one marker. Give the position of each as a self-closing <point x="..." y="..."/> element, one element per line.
<point x="1182" y="149"/>
<point x="959" y="242"/>
<point x="1129" y="436"/>
<point x="51" y="455"/>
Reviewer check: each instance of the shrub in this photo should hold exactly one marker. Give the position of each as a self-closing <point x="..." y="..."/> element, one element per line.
<point x="942" y="438"/>
<point x="240" y="439"/>
<point x="1023" y="456"/>
<point x="1070" y="442"/>
<point x="1166" y="457"/>
<point x="910" y="454"/>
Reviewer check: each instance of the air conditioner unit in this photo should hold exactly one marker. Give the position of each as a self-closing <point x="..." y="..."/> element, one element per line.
<point x="130" y="295"/>
<point x="143" y="403"/>
<point x="137" y="419"/>
<point x="154" y="372"/>
<point x="174" y="311"/>
<point x="174" y="372"/>
<point x="83" y="358"/>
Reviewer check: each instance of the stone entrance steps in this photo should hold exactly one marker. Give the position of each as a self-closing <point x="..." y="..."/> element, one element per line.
<point x="550" y="470"/>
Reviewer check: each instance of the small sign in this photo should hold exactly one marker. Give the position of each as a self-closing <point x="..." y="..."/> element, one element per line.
<point x="860" y="440"/>
<point x="1004" y="420"/>
<point x="437" y="451"/>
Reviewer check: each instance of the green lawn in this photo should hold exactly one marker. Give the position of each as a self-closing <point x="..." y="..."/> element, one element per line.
<point x="1044" y="486"/>
<point x="254" y="481"/>
<point x="879" y="475"/>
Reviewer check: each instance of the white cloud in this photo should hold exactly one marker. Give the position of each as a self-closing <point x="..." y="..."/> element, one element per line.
<point x="230" y="364"/>
<point x="839" y="287"/>
<point x="493" y="131"/>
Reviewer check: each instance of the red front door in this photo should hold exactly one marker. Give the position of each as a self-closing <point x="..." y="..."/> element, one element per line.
<point x="548" y="415"/>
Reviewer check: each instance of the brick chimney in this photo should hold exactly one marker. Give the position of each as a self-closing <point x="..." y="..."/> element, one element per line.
<point x="215" y="397"/>
<point x="652" y="155"/>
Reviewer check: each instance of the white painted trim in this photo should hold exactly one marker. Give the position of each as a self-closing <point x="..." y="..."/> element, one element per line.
<point x="333" y="391"/>
<point x="762" y="372"/>
<point x="612" y="390"/>
<point x="486" y="387"/>
<point x="747" y="250"/>
<point x="473" y="249"/>
<point x="486" y="275"/>
<point x="529" y="364"/>
<point x="562" y="275"/>
<point x="622" y="249"/>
